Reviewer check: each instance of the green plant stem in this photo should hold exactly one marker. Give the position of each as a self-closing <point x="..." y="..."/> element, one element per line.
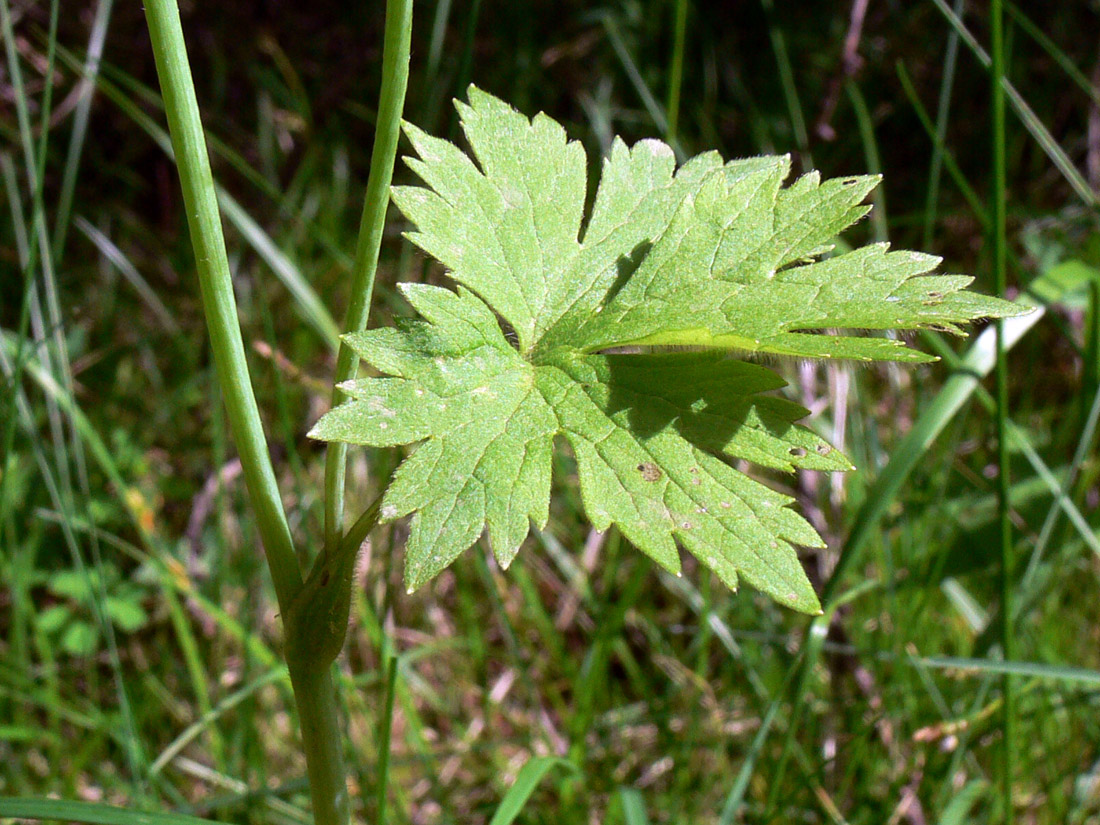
<point x="314" y="693"/>
<point x="219" y="305"/>
<point x="676" y="70"/>
<point x="1008" y="636"/>
<point x="395" y="78"/>
<point x="786" y="79"/>
<point x="322" y="742"/>
<point x="317" y="620"/>
<point x="1090" y="368"/>
<point x="384" y="744"/>
<point x="316" y="624"/>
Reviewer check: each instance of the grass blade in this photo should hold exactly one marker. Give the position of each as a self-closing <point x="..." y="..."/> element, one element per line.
<point x="112" y="253"/>
<point x="676" y="70"/>
<point x="1008" y="561"/>
<point x="530" y="775"/>
<point x="308" y="302"/>
<point x="1037" y="670"/>
<point x="1026" y="114"/>
<point x="91" y="813"/>
<point x="958" y="809"/>
<point x="96" y="42"/>
<point x="312" y="308"/>
<point x="633" y="806"/>
<point x="195" y="729"/>
<point x="384" y="744"/>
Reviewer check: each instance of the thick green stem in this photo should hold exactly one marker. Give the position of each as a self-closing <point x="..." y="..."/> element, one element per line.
<point x="322" y="742"/>
<point x="219" y="305"/>
<point x="391" y="101"/>
<point x="314" y="693"/>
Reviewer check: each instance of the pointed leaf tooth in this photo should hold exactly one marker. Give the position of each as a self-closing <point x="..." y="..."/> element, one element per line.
<point x="742" y="167"/>
<point x="931" y="288"/>
<point x="804" y="183"/>
<point x="462" y="313"/>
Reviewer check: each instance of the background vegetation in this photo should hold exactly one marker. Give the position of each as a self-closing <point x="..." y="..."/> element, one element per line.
<point x="139" y="641"/>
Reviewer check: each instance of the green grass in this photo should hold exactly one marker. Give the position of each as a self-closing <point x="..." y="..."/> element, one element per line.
<point x="676" y="701"/>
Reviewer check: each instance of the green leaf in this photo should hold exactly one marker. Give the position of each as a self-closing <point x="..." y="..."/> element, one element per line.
<point x="93" y="813"/>
<point x="73" y="584"/>
<point x="527" y="781"/>
<point x="462" y="386"/>
<point x="53" y="618"/>
<point x="127" y="614"/>
<point x="633" y="806"/>
<point x="547" y="336"/>
<point x="79" y="638"/>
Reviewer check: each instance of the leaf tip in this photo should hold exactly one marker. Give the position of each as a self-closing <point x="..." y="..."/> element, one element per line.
<point x="414" y="579"/>
<point x="412" y="132"/>
<point x="806" y="602"/>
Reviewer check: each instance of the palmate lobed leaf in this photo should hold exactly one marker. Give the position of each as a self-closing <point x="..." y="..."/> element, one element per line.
<point x="717" y="256"/>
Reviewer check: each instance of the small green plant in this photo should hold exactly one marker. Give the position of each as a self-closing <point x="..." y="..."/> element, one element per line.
<point x="717" y="257"/>
<point x="70" y="620"/>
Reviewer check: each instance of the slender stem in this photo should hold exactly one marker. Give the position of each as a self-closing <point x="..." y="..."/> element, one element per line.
<point x="931" y="202"/>
<point x="395" y="78"/>
<point x="313" y="689"/>
<point x="1090" y="367"/>
<point x="1008" y="637"/>
<point x="676" y="70"/>
<point x="384" y="744"/>
<point x="786" y="80"/>
<point x="219" y="305"/>
<point x="363" y="527"/>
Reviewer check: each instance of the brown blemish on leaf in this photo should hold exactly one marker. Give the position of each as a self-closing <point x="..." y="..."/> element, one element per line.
<point x="650" y="471"/>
